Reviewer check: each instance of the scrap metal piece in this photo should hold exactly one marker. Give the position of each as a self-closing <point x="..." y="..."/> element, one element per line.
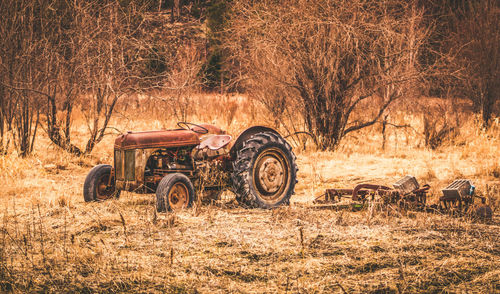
<point x="334" y="195"/>
<point x="457" y="189"/>
<point x="372" y="187"/>
<point x="457" y="197"/>
<point x="407" y="185"/>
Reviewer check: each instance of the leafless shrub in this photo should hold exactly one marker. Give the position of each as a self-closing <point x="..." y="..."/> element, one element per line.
<point x="183" y="81"/>
<point x="86" y="55"/>
<point x="442" y="121"/>
<point x="19" y="51"/>
<point x="328" y="59"/>
<point x="106" y="59"/>
<point x="435" y="136"/>
<point x="470" y="54"/>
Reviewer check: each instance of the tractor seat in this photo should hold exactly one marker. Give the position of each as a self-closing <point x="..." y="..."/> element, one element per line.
<point x="215" y="142"/>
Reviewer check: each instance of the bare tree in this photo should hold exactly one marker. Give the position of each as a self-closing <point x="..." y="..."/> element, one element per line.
<point x="59" y="55"/>
<point x="328" y="59"/>
<point x="183" y="81"/>
<point x="472" y="54"/>
<point x="19" y="75"/>
<point x="99" y="69"/>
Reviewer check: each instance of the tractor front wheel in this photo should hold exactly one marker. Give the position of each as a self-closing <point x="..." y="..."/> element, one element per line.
<point x="98" y="186"/>
<point x="174" y="193"/>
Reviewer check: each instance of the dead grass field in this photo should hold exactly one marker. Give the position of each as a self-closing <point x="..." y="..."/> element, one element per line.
<point x="51" y="241"/>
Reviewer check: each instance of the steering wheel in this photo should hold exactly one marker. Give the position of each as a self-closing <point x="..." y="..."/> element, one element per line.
<point x="185" y="125"/>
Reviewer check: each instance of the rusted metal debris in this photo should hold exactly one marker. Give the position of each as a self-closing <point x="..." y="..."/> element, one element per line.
<point x="406" y="193"/>
<point x="458" y="197"/>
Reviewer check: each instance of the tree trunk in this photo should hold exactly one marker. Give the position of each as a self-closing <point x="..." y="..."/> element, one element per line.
<point x="487" y="108"/>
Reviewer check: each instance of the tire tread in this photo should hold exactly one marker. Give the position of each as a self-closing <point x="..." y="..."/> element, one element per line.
<point x="242" y="174"/>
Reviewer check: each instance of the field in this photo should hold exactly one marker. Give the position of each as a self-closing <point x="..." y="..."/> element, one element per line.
<point x="51" y="241"/>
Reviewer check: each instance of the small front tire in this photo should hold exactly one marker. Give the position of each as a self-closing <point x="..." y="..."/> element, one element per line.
<point x="96" y="186"/>
<point x="174" y="193"/>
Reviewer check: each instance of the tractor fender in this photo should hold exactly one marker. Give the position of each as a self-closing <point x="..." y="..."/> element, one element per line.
<point x="246" y="134"/>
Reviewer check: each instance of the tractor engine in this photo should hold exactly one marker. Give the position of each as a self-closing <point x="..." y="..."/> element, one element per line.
<point x="164" y="161"/>
<point x="167" y="160"/>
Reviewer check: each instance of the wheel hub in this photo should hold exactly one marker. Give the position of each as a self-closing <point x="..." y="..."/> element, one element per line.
<point x="270" y="174"/>
<point x="178" y="196"/>
<point x="104" y="191"/>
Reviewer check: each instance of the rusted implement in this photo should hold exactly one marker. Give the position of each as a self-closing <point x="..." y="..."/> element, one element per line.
<point x="411" y="195"/>
<point x="406" y="192"/>
<point x="458" y="198"/>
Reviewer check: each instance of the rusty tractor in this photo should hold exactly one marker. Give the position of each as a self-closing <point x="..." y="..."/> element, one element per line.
<point x="192" y="161"/>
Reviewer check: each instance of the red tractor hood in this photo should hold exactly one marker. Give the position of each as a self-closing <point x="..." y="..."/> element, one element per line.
<point x="152" y="139"/>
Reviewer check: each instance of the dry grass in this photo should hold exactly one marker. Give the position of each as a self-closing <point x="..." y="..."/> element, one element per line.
<point x="51" y="241"/>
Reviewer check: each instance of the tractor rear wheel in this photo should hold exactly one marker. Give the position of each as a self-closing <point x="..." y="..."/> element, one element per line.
<point x="264" y="171"/>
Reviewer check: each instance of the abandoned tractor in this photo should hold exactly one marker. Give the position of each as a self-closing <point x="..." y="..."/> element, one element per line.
<point x="198" y="161"/>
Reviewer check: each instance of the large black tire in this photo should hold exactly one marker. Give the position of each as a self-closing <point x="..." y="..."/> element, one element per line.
<point x="174" y="192"/>
<point x="264" y="171"/>
<point x="95" y="187"/>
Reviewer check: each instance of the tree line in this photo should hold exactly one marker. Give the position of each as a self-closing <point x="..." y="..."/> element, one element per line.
<point x="325" y="60"/>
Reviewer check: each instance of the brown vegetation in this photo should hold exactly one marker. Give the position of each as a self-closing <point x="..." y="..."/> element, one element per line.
<point x="53" y="241"/>
<point x="473" y="55"/>
<point x="328" y="60"/>
<point x="74" y="74"/>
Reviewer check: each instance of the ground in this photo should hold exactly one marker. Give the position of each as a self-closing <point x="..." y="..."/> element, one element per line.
<point x="52" y="241"/>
